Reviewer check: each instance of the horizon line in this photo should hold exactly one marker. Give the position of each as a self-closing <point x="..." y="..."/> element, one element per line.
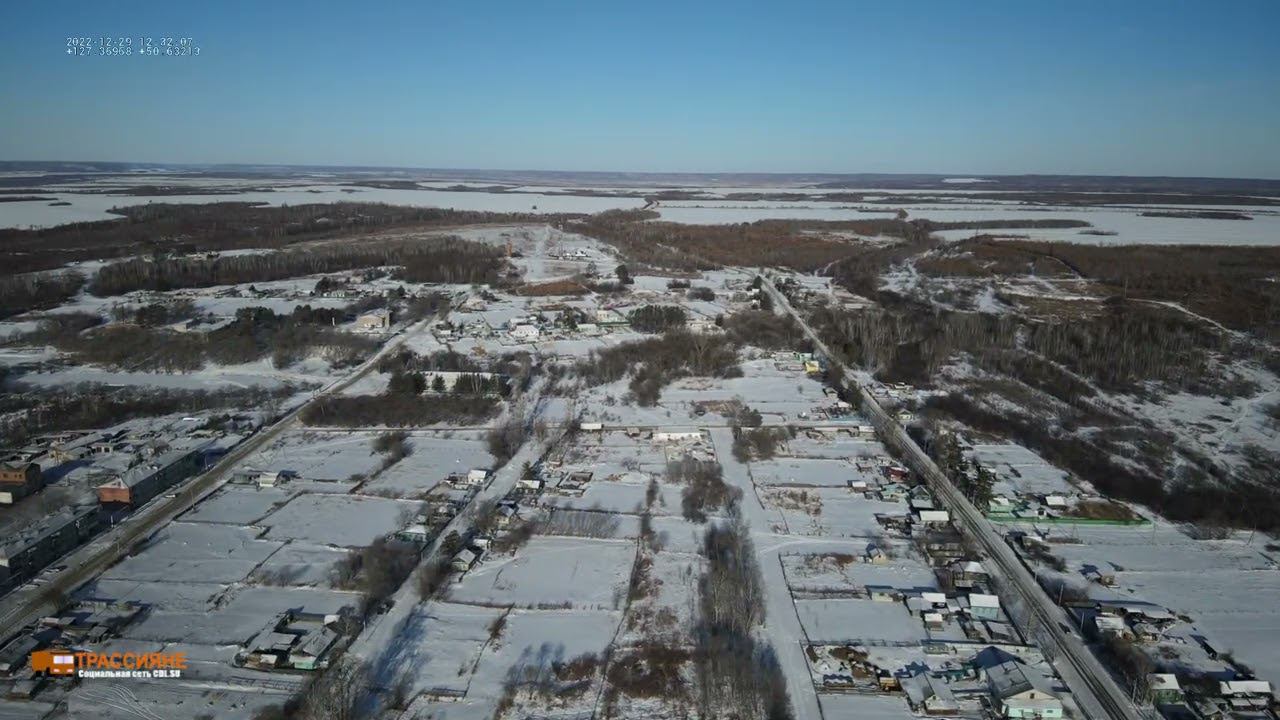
<point x="700" y="173"/>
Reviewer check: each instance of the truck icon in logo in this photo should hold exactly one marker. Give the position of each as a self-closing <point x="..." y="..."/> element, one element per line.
<point x="54" y="662"/>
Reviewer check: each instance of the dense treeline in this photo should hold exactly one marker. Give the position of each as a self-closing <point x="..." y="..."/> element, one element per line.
<point x="1231" y="285"/>
<point x="1207" y="495"/>
<point x="764" y="329"/>
<point x="96" y="406"/>
<point x="910" y="344"/>
<point x="254" y="334"/>
<point x="1012" y="224"/>
<point x="409" y="400"/>
<point x="36" y="291"/>
<point x="435" y="259"/>
<point x="1128" y="346"/>
<point x="657" y="318"/>
<point x="861" y="273"/>
<point x="1120" y="349"/>
<point x="199" y="227"/>
<point x="398" y="410"/>
<point x="657" y="361"/>
<point x="157" y="313"/>
<point x="768" y="243"/>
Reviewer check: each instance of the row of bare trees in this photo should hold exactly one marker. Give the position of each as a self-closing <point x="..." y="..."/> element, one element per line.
<point x="738" y="675"/>
<point x="432" y="259"/>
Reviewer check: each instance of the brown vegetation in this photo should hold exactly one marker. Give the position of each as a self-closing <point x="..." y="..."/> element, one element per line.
<point x="428" y="259"/>
<point x="158" y="228"/>
<point x="767" y="243"/>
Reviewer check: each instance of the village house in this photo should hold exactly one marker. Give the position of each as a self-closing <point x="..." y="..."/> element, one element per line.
<point x="1021" y="691"/>
<point x="933" y="517"/>
<point x="967" y="573"/>
<point x="18" y="480"/>
<point x="464" y="560"/>
<point x="505" y="514"/>
<point x="374" y="321"/>
<point x="930" y="695"/>
<point x="677" y="436"/>
<point x="575" y="482"/>
<point x="294" y="639"/>
<point x="525" y="333"/>
<point x="605" y="317"/>
<point x="472" y="478"/>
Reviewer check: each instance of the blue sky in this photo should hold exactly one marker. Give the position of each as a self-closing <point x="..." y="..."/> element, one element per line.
<point x="1150" y="88"/>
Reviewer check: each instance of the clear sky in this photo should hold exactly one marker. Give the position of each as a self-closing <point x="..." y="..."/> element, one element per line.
<point x="973" y="87"/>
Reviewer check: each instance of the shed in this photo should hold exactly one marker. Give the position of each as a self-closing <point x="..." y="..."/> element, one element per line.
<point x="982" y="606"/>
<point x="1165" y="689"/>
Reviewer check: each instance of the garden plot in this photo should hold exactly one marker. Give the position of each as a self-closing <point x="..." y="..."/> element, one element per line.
<point x="538" y="638"/>
<point x="832" y="512"/>
<point x="838" y="621"/>
<point x="864" y="707"/>
<point x="439" y="645"/>
<point x="197" y="553"/>
<point x="1019" y="470"/>
<point x="299" y="564"/>
<point x="133" y="700"/>
<point x="375" y="383"/>
<point x="169" y="596"/>
<point x="613" y="454"/>
<point x="341" y="520"/>
<point x="260" y="374"/>
<point x="620" y="497"/>
<point x="776" y="394"/>
<point x="844" y="572"/>
<point x="803" y="472"/>
<point x="818" y="445"/>
<point x="235" y="616"/>
<point x="1141" y="550"/>
<point x="238" y="505"/>
<point x="678" y="535"/>
<point x="316" y="455"/>
<point x="667" y="610"/>
<point x="431" y="460"/>
<point x="552" y="572"/>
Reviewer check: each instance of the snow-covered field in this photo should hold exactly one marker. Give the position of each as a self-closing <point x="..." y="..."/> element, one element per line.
<point x="1126" y="222"/>
<point x="553" y="572"/>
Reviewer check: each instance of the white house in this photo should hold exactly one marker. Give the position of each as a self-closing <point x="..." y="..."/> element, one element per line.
<point x="666" y="437"/>
<point x="1021" y="691"/>
<point x="932" y="517"/>
<point x="463" y="561"/>
<point x="605" y="316"/>
<point x="525" y="333"/>
<point x="374" y="320"/>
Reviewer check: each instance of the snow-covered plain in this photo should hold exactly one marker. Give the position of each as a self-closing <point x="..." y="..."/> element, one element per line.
<point x="716" y="207"/>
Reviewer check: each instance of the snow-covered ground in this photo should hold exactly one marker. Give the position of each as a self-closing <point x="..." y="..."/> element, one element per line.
<point x="715" y="207"/>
